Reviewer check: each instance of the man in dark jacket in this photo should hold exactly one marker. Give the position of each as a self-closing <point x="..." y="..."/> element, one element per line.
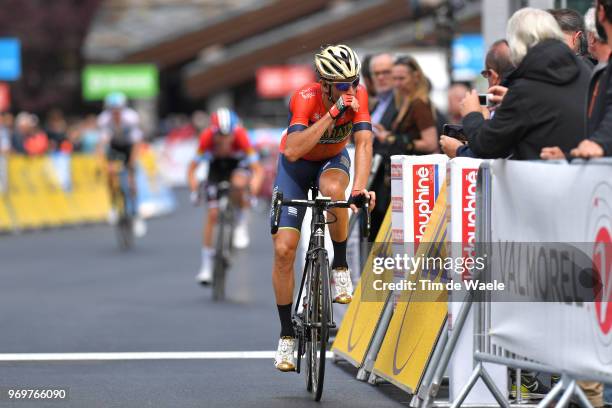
<point x="599" y="101"/>
<point x="544" y="106"/>
<point x="382" y="115"/>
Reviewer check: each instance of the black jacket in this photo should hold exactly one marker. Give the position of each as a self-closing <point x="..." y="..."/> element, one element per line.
<point x="599" y="108"/>
<point x="544" y="106"/>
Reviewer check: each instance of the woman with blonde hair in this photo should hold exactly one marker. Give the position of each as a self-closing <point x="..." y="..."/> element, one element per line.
<point x="414" y="128"/>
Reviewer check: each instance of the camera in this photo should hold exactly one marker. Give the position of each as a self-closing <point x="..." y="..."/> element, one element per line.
<point x="454" y="131"/>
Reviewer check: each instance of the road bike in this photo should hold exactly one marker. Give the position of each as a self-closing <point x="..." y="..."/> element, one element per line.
<point x="313" y="321"/>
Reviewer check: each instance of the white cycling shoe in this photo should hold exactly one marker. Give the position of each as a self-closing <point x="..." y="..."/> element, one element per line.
<point x="205" y="275"/>
<point x="343" y="286"/>
<point x="139" y="227"/>
<point x="241" y="236"/>
<point x="285" y="359"/>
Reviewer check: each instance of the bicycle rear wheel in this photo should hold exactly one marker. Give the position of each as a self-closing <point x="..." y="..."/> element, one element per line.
<point x="319" y="323"/>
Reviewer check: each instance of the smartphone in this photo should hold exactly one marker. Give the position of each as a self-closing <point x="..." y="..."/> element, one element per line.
<point x="484" y="99"/>
<point x="454" y="131"/>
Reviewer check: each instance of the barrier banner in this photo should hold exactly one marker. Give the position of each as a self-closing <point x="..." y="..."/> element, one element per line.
<point x="361" y="318"/>
<point x="415" y="185"/>
<point x="463" y="173"/>
<point x="551" y="206"/>
<point x="416" y="325"/>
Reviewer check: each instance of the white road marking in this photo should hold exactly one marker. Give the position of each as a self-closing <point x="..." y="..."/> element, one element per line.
<point x="164" y="355"/>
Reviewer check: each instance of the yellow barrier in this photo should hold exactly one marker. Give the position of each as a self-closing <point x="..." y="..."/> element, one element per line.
<point x="90" y="188"/>
<point x="415" y="326"/>
<point x="27" y="204"/>
<point x="361" y="319"/>
<point x="6" y="221"/>
<point x="35" y="198"/>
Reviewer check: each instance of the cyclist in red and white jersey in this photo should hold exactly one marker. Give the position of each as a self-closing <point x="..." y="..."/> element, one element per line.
<point x="225" y="146"/>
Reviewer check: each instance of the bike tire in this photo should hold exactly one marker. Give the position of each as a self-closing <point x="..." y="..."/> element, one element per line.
<point x="220" y="262"/>
<point x="320" y="313"/>
<point x="125" y="233"/>
<point x="305" y="333"/>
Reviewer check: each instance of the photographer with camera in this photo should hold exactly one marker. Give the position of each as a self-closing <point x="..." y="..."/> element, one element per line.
<point x="497" y="68"/>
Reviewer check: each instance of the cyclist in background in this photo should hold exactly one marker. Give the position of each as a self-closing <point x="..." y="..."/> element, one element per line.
<point x="225" y="146"/>
<point x="121" y="135"/>
<point x="322" y="118"/>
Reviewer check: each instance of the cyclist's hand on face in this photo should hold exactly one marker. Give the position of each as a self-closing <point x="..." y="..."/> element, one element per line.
<point x="194" y="197"/>
<point x="360" y="197"/>
<point x="343" y="103"/>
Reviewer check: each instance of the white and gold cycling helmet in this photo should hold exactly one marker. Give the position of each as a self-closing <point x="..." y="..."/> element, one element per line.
<point x="337" y="63"/>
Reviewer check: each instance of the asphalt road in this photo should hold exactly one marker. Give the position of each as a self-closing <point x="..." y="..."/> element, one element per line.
<point x="72" y="291"/>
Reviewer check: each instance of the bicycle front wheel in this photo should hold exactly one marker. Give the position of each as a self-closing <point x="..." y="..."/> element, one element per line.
<point x="319" y="332"/>
<point x="220" y="261"/>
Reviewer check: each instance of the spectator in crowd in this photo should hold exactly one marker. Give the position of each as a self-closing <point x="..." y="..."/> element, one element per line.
<point x="536" y="110"/>
<point x="57" y="131"/>
<point x="384" y="111"/>
<point x="599" y="109"/>
<point x="498" y="64"/>
<point x="382" y="115"/>
<point x="440" y="117"/>
<point x="199" y="119"/>
<point x="86" y="136"/>
<point x="368" y="81"/>
<point x="498" y="67"/>
<point x="28" y="138"/>
<point x="414" y="129"/>
<point x="572" y="25"/>
<point x="598" y="48"/>
<point x="456" y="93"/>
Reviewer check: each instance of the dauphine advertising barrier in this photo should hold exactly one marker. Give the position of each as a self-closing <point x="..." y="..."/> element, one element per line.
<point x="416" y="183"/>
<point x="546" y="232"/>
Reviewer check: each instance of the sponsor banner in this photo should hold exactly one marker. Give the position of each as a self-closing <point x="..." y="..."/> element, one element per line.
<point x="361" y="319"/>
<point x="417" y="181"/>
<point x="462" y="225"/>
<point x="560" y="203"/>
<point x="415" y="325"/>
<point x="137" y="81"/>
<point x="5" y="98"/>
<point x="10" y="59"/>
<point x="280" y="80"/>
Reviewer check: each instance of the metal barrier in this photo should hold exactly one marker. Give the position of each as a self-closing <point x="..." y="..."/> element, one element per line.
<point x="485" y="351"/>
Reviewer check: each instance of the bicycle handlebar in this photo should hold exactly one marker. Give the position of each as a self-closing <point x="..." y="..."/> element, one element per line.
<point x="325" y="203"/>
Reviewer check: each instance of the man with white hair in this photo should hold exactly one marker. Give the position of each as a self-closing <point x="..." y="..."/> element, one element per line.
<point x="598" y="48"/>
<point x="534" y="112"/>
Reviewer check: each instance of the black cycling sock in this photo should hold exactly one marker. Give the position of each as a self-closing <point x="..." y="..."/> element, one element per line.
<point x="284" y="312"/>
<point x="339" y="255"/>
